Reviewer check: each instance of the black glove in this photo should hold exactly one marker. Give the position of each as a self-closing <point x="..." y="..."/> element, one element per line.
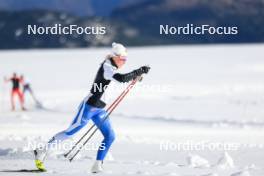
<point x="132" y="75"/>
<point x="145" y="69"/>
<point x="141" y="70"/>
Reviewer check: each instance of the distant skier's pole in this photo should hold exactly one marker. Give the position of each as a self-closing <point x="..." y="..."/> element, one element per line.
<point x="109" y="110"/>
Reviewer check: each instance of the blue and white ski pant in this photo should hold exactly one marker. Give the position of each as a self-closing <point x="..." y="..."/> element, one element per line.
<point x="84" y="114"/>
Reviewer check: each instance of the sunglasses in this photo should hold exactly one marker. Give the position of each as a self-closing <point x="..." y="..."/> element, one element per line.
<point x="123" y="58"/>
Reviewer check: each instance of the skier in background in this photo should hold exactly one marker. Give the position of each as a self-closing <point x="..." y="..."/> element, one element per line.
<point x="16" y="81"/>
<point x="92" y="107"/>
<point x="28" y="88"/>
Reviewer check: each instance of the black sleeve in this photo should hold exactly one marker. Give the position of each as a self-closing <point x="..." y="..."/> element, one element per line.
<point x="128" y="76"/>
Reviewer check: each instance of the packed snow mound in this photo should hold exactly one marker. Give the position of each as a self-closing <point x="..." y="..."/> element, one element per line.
<point x="172" y="164"/>
<point x="197" y="161"/>
<point x="225" y="162"/>
<point x="173" y="174"/>
<point x="241" y="173"/>
<point x="15" y="153"/>
<point x="251" y="167"/>
<point x="211" y="174"/>
<point x="24" y="117"/>
<point x="4" y="152"/>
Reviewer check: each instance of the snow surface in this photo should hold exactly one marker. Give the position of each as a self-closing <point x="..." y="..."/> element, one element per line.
<point x="211" y="96"/>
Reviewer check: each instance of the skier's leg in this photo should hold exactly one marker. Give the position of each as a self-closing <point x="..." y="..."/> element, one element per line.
<point x="57" y="138"/>
<point x="13" y="99"/>
<point x="79" y="121"/>
<point x="109" y="136"/>
<point x="108" y="133"/>
<point x="29" y="89"/>
<point x="21" y="99"/>
<point x="24" y="89"/>
<point x="84" y="114"/>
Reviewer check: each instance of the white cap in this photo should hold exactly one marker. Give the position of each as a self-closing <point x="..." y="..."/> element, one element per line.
<point x="119" y="49"/>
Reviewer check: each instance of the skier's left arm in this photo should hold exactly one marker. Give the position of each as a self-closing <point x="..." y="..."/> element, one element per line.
<point x="131" y="75"/>
<point x="110" y="74"/>
<point x="21" y="80"/>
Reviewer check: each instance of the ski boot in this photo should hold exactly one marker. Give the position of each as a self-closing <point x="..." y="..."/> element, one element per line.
<point x="39" y="159"/>
<point x="97" y="167"/>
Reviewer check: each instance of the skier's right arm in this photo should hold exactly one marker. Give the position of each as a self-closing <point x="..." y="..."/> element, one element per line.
<point x="132" y="75"/>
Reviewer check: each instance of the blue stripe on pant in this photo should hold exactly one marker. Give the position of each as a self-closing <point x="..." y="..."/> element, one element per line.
<point x="84" y="114"/>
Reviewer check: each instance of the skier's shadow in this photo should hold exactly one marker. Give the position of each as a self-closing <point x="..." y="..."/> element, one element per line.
<point x="23" y="170"/>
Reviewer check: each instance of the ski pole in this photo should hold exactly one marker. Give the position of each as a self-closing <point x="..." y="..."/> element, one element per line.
<point x="94" y="124"/>
<point x="108" y="109"/>
<point x="79" y="149"/>
<point x="139" y="78"/>
<point x="76" y="144"/>
<point x="109" y="113"/>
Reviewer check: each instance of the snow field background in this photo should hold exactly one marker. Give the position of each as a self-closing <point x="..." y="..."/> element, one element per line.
<point x="210" y="94"/>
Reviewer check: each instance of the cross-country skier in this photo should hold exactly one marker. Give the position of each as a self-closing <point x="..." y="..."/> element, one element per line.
<point x="16" y="81"/>
<point x="28" y="88"/>
<point x="92" y="107"/>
